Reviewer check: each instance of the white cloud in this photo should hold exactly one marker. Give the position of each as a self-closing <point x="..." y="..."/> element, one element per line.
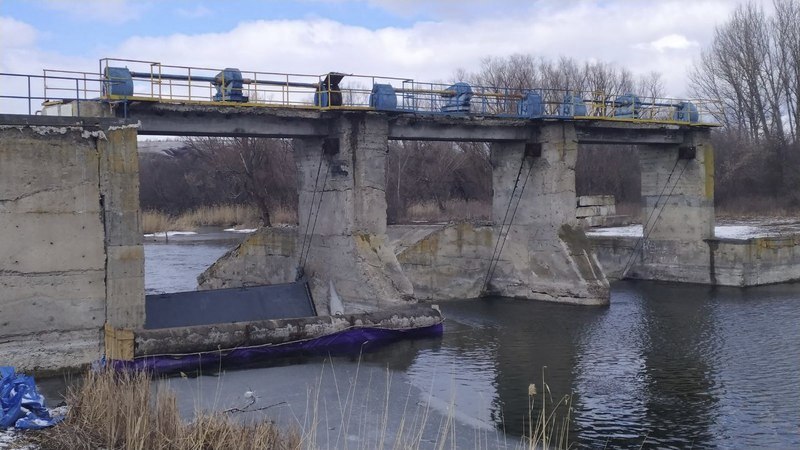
<point x="669" y="42"/>
<point x="15" y="34"/>
<point x="612" y="31"/>
<point x="661" y="36"/>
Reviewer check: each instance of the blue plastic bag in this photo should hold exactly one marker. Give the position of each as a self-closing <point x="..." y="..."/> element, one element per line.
<point x="21" y="405"/>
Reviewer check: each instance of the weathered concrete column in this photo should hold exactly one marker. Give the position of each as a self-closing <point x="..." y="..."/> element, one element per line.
<point x="546" y="255"/>
<point x="70" y="253"/>
<point x="678" y="211"/>
<point x="119" y="190"/>
<point x="348" y="244"/>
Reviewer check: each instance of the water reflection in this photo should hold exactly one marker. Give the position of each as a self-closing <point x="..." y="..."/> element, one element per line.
<point x="664" y="366"/>
<point x="657" y="375"/>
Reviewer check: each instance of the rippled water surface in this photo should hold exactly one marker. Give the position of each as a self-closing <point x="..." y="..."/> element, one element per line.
<point x="664" y="366"/>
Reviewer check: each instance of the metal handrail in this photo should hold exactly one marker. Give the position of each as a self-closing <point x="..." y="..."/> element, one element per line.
<point x="155" y="83"/>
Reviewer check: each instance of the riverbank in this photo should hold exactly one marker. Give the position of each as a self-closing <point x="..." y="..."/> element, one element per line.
<point x="221" y="216"/>
<point x="245" y="216"/>
<point x="129" y="411"/>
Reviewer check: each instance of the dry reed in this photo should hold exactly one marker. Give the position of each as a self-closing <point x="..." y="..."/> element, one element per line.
<point x="121" y="411"/>
<point x="549" y="428"/>
<point x="213" y="216"/>
<point x="110" y="410"/>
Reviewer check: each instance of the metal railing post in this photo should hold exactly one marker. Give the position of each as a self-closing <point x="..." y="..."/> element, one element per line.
<point x="77" y="97"/>
<point x="29" y="95"/>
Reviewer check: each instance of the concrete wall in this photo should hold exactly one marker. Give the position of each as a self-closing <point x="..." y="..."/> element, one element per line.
<point x="599" y="211"/>
<point x="268" y="256"/>
<point x="732" y="262"/>
<point x="70" y="240"/>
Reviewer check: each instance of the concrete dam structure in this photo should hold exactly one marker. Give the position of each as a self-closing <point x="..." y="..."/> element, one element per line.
<point x="72" y="259"/>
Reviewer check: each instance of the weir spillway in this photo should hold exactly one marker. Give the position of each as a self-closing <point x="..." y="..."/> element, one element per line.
<point x="71" y="185"/>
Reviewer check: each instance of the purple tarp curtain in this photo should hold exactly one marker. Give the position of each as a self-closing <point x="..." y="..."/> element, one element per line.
<point x="350" y="341"/>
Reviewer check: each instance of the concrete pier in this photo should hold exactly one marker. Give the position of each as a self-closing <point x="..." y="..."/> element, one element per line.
<point x="342" y="215"/>
<point x="677" y="210"/>
<point x="539" y="254"/>
<point x="71" y="258"/>
<point x="546" y="255"/>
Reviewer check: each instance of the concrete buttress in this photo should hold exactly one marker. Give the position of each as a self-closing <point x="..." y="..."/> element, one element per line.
<point x="678" y="211"/>
<point x="546" y="255"/>
<point x="342" y="215"/>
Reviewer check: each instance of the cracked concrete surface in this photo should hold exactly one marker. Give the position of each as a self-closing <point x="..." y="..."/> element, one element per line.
<point x="68" y="198"/>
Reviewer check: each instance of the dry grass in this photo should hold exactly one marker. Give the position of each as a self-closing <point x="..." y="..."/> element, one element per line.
<point x="213" y="216"/>
<point x="155" y="221"/>
<point x="111" y="410"/>
<point x="454" y="210"/>
<point x="219" y="216"/>
<point x="120" y="411"/>
<point x="756" y="207"/>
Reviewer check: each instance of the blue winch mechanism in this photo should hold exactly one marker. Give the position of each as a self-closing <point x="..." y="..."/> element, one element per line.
<point x="627" y="106"/>
<point x="383" y="97"/>
<point x="457" y="98"/>
<point x="531" y="105"/>
<point x="118" y="82"/>
<point x="229" y="84"/>
<point x="686" y="112"/>
<point x="572" y="106"/>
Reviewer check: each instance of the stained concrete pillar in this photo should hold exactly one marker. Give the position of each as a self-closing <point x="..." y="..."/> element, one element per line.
<point x="342" y="215"/>
<point x="677" y="210"/>
<point x="546" y="255"/>
<point x="71" y="256"/>
<point x="119" y="190"/>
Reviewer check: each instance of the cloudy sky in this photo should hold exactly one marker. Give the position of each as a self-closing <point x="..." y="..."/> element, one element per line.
<point x="422" y="39"/>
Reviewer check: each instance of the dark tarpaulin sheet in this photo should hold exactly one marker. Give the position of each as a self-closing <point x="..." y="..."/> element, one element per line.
<point x="345" y="342"/>
<point x="184" y="309"/>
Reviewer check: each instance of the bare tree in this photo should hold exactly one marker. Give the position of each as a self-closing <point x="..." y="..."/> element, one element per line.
<point x="751" y="70"/>
<point x="260" y="171"/>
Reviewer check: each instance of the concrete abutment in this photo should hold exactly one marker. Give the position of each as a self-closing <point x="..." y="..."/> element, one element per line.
<point x="71" y="257"/>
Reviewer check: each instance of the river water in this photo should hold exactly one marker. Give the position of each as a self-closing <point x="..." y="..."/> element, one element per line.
<point x="664" y="366"/>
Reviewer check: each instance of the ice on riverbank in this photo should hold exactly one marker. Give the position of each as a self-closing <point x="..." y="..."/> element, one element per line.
<point x="737" y="231"/>
<point x="240" y="230"/>
<point x="171" y="233"/>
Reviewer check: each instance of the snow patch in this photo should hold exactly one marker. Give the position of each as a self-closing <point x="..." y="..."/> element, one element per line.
<point x="742" y="232"/>
<point x="94" y="134"/>
<point x="738" y="232"/>
<point x="241" y="230"/>
<point x="11" y="440"/>
<point x="171" y="233"/>
<point x="627" y="231"/>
